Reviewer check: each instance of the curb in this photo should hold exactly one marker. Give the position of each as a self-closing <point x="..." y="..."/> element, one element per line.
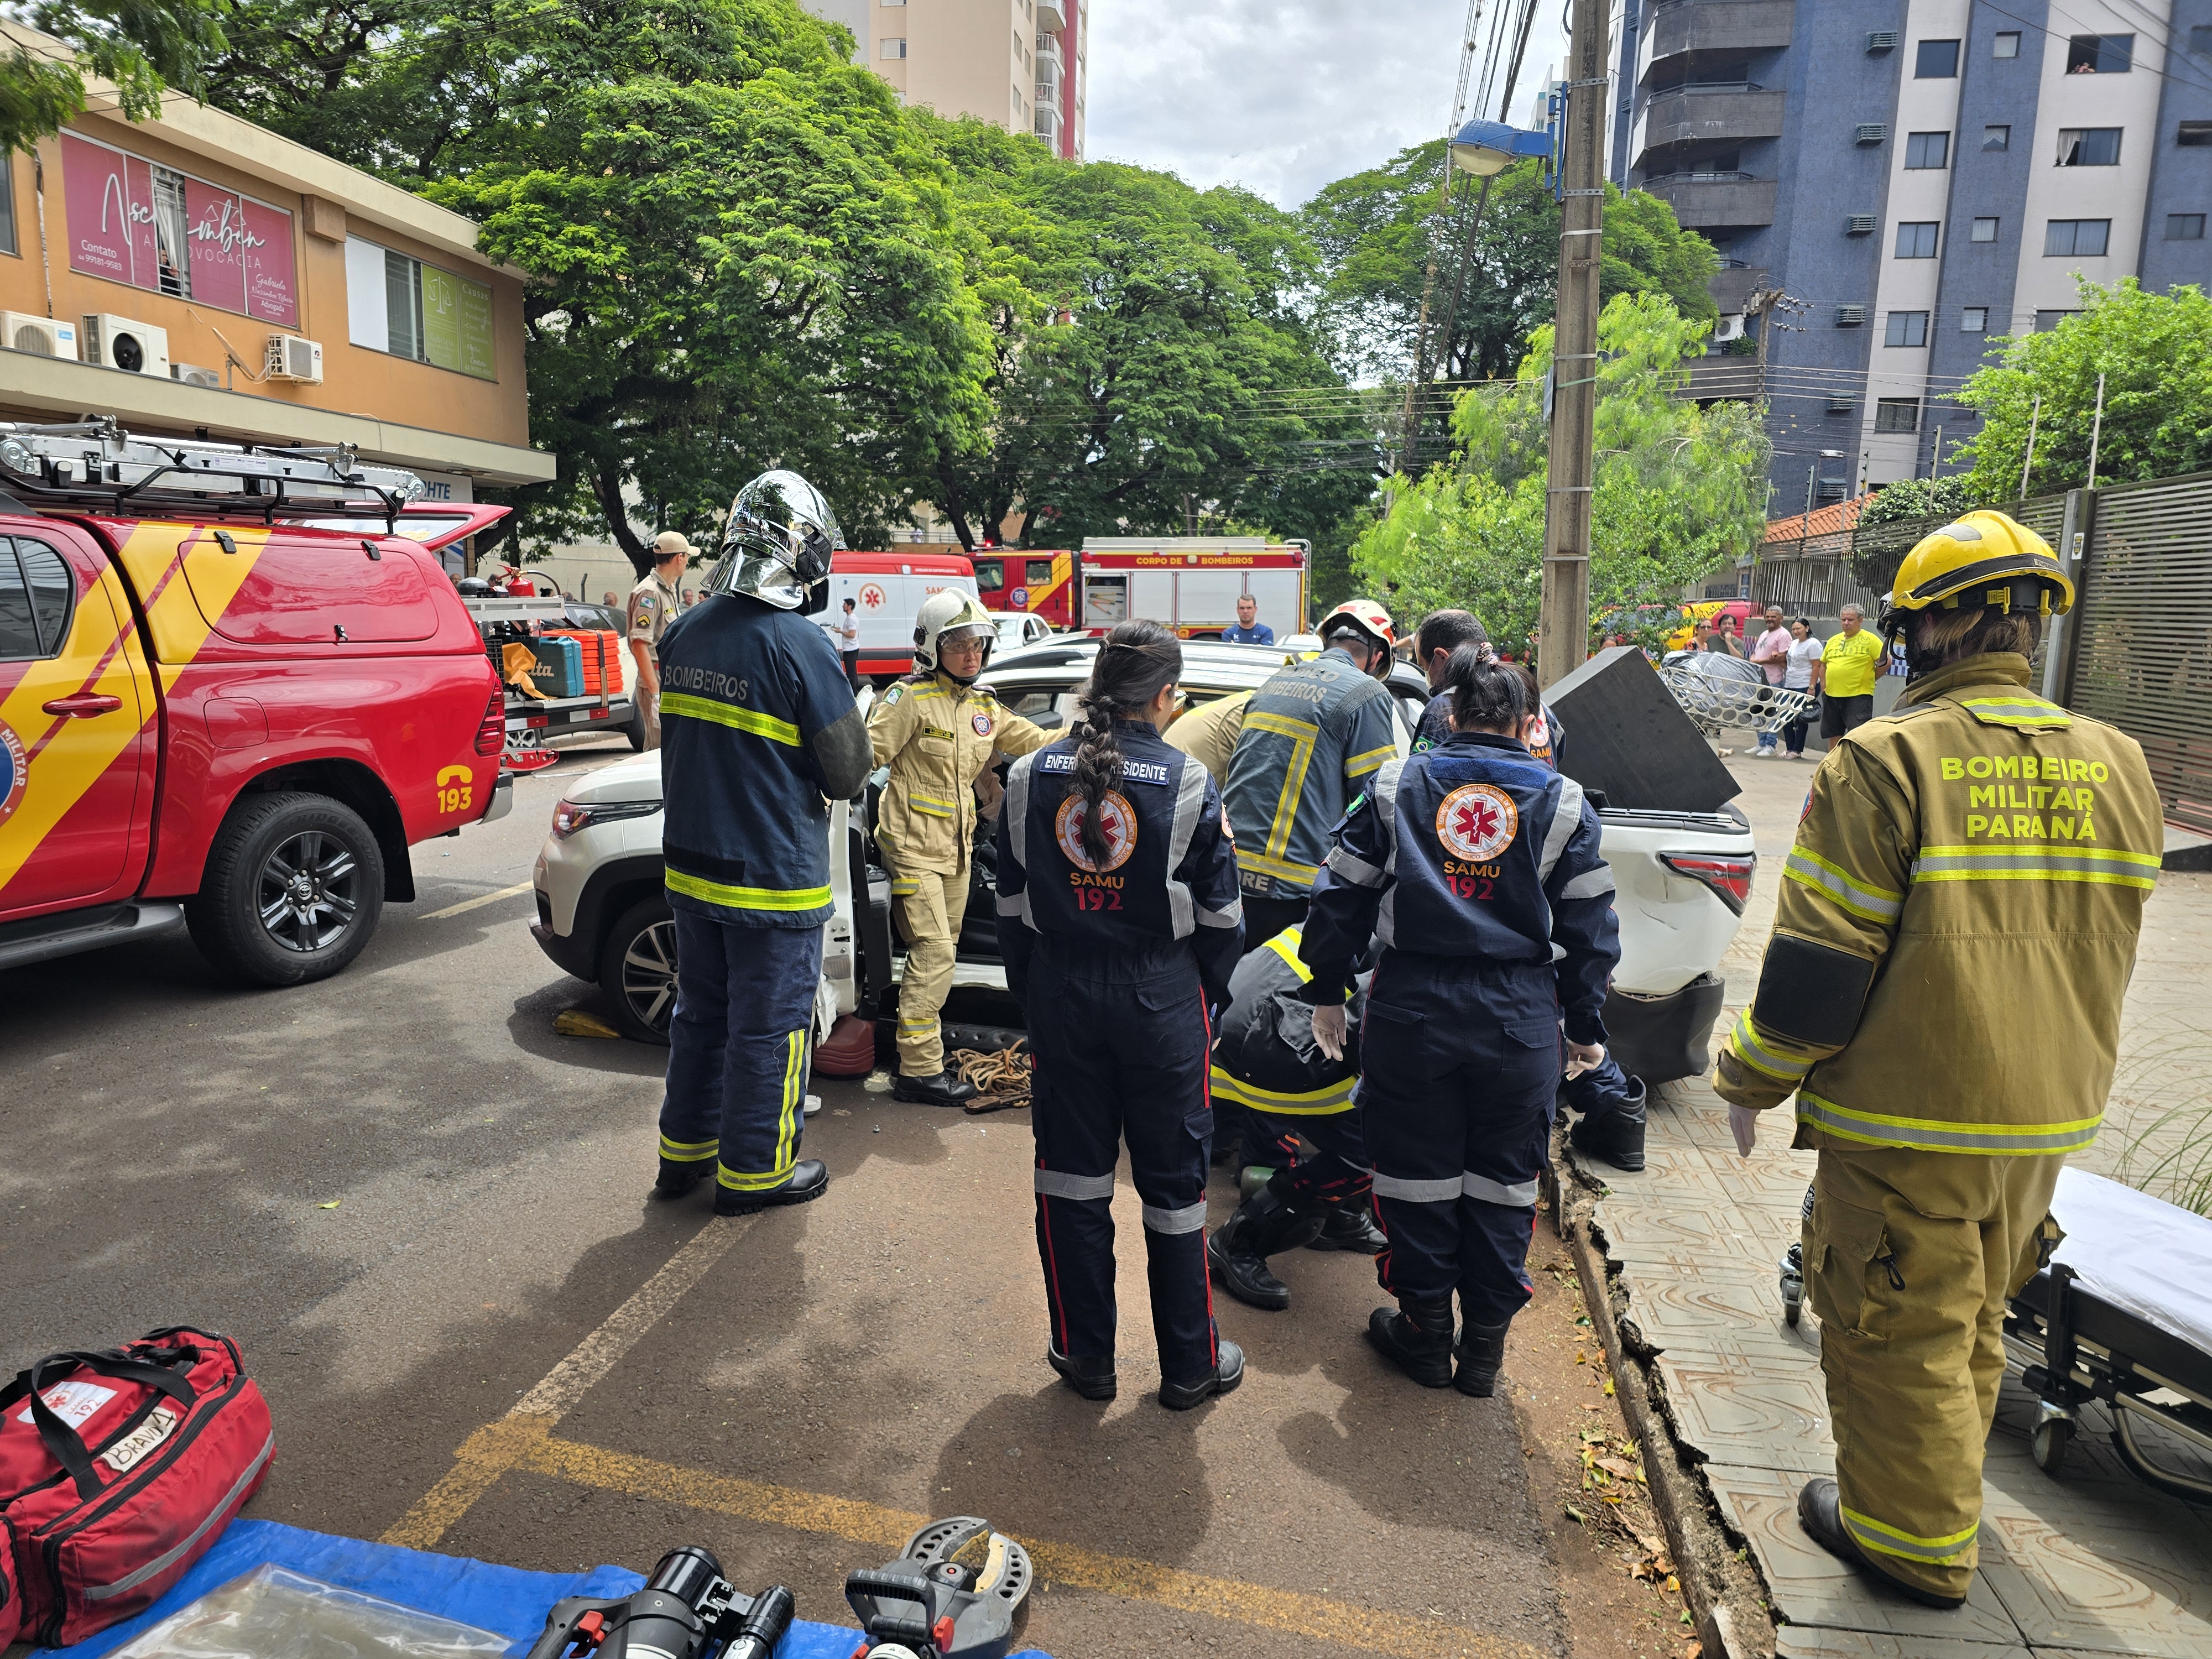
<point x="1726" y="1597"/>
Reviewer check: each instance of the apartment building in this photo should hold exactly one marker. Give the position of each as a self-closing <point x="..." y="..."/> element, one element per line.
<point x="1914" y="178"/>
<point x="1018" y="63"/>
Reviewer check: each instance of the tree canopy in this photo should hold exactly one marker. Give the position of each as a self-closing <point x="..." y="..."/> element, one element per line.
<point x="143" y="46"/>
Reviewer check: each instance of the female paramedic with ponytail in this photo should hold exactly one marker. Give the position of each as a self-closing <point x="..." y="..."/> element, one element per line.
<point x="1120" y="923"/>
<point x="1468" y="863"/>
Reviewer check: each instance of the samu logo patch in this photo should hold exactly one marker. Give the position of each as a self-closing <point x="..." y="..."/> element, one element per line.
<point x="1477" y="822"/>
<point x="1117" y="821"/>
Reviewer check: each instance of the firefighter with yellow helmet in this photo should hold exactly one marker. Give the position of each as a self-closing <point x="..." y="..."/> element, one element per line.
<point x="1941" y="993"/>
<point x="938" y="731"/>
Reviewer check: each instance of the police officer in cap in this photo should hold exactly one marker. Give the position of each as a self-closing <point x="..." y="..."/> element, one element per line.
<point x="654" y="603"/>
<point x="1477" y="868"/>
<point x="1120" y="924"/>
<point x="759" y="727"/>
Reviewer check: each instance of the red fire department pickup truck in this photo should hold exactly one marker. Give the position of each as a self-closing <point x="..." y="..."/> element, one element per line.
<point x="233" y="689"/>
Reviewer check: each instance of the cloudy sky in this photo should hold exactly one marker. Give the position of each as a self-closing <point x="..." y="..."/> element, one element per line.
<point x="1280" y="97"/>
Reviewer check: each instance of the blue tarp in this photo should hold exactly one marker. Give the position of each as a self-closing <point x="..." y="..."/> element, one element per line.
<point x="503" y="1599"/>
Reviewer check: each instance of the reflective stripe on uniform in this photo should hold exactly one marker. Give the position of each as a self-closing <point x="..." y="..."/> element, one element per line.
<point x="787" y="1133"/>
<point x="747" y="898"/>
<point x="1841" y="889"/>
<point x="1261" y="865"/>
<point x="1370" y="761"/>
<point x="904" y="886"/>
<point x="687" y="1151"/>
<point x="1445" y="1191"/>
<point x="1302" y="734"/>
<point x="2032" y="862"/>
<point x="1189" y="1219"/>
<point x="1591" y="883"/>
<point x="1058" y="1183"/>
<point x="934" y="808"/>
<point x="1566" y="818"/>
<point x="2032" y="713"/>
<point x="1870" y="1533"/>
<point x="1939" y="1135"/>
<point x="1357" y="871"/>
<point x="1314" y="1102"/>
<point x="1756" y="1054"/>
<point x="1520" y="1195"/>
<point x="1285" y="944"/>
<point x="1232" y="917"/>
<point x="1190" y="800"/>
<point x="728" y="713"/>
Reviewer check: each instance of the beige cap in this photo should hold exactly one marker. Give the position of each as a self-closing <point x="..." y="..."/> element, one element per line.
<point x="669" y="543"/>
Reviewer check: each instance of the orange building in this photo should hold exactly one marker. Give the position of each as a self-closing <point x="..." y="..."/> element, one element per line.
<point x="200" y="275"/>
<point x="1018" y="63"/>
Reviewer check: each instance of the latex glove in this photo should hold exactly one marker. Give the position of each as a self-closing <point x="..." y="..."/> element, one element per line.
<point x="1328" y="1029"/>
<point x="1743" y="1124"/>
<point x="1584" y="1057"/>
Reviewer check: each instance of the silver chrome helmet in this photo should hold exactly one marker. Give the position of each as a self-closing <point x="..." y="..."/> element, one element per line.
<point x="777" y="545"/>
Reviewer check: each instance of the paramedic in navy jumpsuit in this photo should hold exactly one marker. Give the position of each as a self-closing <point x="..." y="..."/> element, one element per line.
<point x="1120" y="923"/>
<point x="1470" y="863"/>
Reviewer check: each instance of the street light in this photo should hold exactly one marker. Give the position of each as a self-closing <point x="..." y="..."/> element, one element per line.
<point x="1487" y="147"/>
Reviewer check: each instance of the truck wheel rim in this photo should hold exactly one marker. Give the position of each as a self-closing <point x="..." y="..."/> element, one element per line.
<point x="648" y="975"/>
<point x="309" y="891"/>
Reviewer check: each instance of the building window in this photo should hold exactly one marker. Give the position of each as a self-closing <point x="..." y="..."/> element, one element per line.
<point x="894" y="46"/>
<point x="1994" y="137"/>
<point x="2184" y="227"/>
<point x="1897" y="414"/>
<point x="399" y="305"/>
<point x="2100" y="54"/>
<point x="2193" y="133"/>
<point x="2076" y="238"/>
<point x="1906" y="328"/>
<point x="1916" y="239"/>
<point x="172" y="251"/>
<point x="2200" y="39"/>
<point x="1974" y="319"/>
<point x="1928" y="150"/>
<point x="2007" y="44"/>
<point x="8" y="205"/>
<point x="2047" y="320"/>
<point x="1985" y="230"/>
<point x="2088" y="147"/>
<point x="1938" y="60"/>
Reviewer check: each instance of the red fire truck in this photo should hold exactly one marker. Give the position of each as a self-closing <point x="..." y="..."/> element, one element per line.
<point x="1041" y="580"/>
<point x="1193" y="583"/>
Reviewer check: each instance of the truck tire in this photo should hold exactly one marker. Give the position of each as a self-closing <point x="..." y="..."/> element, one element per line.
<point x="637" y="970"/>
<point x="293" y="889"/>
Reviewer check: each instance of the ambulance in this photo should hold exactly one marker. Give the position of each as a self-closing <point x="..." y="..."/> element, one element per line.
<point x="887" y="590"/>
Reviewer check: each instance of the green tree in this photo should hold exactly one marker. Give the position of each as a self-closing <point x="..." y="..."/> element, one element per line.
<point x="142" y="46"/>
<point x="2155" y="351"/>
<point x="1678" y="488"/>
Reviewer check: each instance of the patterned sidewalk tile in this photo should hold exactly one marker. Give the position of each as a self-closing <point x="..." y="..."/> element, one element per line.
<point x="1743" y="1409"/>
<point x="1720" y="1308"/>
<point x="1795" y="1642"/>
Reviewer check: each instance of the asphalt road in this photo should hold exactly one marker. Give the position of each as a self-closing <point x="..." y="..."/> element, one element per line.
<point x="412" y="1202"/>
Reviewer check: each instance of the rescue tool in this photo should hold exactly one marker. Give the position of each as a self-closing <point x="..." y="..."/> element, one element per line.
<point x="928" y="1603"/>
<point x="687" y="1610"/>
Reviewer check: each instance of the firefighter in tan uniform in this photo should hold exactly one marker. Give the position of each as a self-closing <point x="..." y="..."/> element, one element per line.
<point x="655" y="602"/>
<point x="1208" y="735"/>
<point x="1941" y="992"/>
<point x="937" y="731"/>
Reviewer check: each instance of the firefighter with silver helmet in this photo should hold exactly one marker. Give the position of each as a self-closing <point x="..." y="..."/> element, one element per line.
<point x="1941" y="993"/>
<point x="937" y="731"/>
<point x="758" y="726"/>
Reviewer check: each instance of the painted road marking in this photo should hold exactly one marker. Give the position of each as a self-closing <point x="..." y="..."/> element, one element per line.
<point x="481" y="899"/>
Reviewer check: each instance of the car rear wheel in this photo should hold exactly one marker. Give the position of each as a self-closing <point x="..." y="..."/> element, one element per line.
<point x="293" y="889"/>
<point x="637" y="970"/>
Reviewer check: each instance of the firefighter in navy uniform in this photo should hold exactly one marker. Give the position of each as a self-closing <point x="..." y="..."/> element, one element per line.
<point x="1120" y="922"/>
<point x="758" y="726"/>
<point x="1475" y="866"/>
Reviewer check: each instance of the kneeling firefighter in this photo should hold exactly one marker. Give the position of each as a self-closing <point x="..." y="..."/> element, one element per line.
<point x="1941" y="992"/>
<point x="937" y="731"/>
<point x="1120" y="923"/>
<point x="1476" y="867"/>
<point x="1268" y="1062"/>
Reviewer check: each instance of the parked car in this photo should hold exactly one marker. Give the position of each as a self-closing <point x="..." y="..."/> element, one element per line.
<point x="1019" y="628"/>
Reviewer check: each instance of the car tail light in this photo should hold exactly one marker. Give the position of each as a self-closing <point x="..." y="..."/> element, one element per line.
<point x="1728" y="875"/>
<point x="491" y="730"/>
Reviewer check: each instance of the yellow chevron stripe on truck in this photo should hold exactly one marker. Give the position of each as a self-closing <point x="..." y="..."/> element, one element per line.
<point x="184" y="576"/>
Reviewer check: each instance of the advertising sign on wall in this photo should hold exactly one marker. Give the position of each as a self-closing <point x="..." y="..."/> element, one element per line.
<point x="132" y="221"/>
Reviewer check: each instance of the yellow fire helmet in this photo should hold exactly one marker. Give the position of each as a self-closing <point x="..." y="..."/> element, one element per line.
<point x="1983" y="560"/>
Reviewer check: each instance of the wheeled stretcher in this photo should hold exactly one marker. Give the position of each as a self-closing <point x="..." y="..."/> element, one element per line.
<point x="2123" y="1314"/>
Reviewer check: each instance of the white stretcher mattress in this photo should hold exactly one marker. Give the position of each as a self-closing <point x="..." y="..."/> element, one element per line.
<point x="2140" y="1254"/>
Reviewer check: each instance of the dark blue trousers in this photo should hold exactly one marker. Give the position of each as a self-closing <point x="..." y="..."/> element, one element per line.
<point x="1334" y="1176"/>
<point x="1121" y="1044"/>
<point x="1461" y="1067"/>
<point x="738" y="1048"/>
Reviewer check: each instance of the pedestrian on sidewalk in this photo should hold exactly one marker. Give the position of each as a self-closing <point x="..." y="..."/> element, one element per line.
<point x="1942" y="995"/>
<point x="849" y="645"/>
<point x="1770" y="651"/>
<point x="1798" y="668"/>
<point x="1474" y="865"/>
<point x="1120" y="925"/>
<point x="1845" y="675"/>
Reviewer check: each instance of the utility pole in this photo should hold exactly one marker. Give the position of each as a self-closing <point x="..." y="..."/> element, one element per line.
<point x="1563" y="640"/>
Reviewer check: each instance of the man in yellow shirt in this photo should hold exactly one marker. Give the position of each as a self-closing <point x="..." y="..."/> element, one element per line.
<point x="1844" y="676"/>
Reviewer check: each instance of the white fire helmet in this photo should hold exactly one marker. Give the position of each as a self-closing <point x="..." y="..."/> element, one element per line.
<point x="947" y="616"/>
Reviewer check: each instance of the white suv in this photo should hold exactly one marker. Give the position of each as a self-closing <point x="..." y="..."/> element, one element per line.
<point x="602" y="915"/>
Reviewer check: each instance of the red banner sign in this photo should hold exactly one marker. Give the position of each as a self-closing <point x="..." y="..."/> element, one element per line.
<point x="176" y="234"/>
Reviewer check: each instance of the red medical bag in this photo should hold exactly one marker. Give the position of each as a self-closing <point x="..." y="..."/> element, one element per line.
<point x="117" y="1471"/>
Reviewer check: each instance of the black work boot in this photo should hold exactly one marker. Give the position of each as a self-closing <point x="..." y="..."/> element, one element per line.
<point x="1264" y="1222"/>
<point x="1093" y="1379"/>
<point x="1416" y="1336"/>
<point x="1480" y="1352"/>
<point x="1820" y="1513"/>
<point x="1615" y="1136"/>
<point x="1228" y="1371"/>
<point x="943" y="1089"/>
<point x="677" y="1179"/>
<point x="1350" y="1227"/>
<point x="807" y="1181"/>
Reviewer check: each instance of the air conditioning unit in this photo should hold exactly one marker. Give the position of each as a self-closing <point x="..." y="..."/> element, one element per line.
<point x="1860" y="224"/>
<point x="1851" y="316"/>
<point x="1871" y="132"/>
<point x="42" y="337"/>
<point x="291" y="358"/>
<point x="1729" y="328"/>
<point x="124" y="342"/>
<point x="1842" y="405"/>
<point x="1881" y="39"/>
<point x="193" y="375"/>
